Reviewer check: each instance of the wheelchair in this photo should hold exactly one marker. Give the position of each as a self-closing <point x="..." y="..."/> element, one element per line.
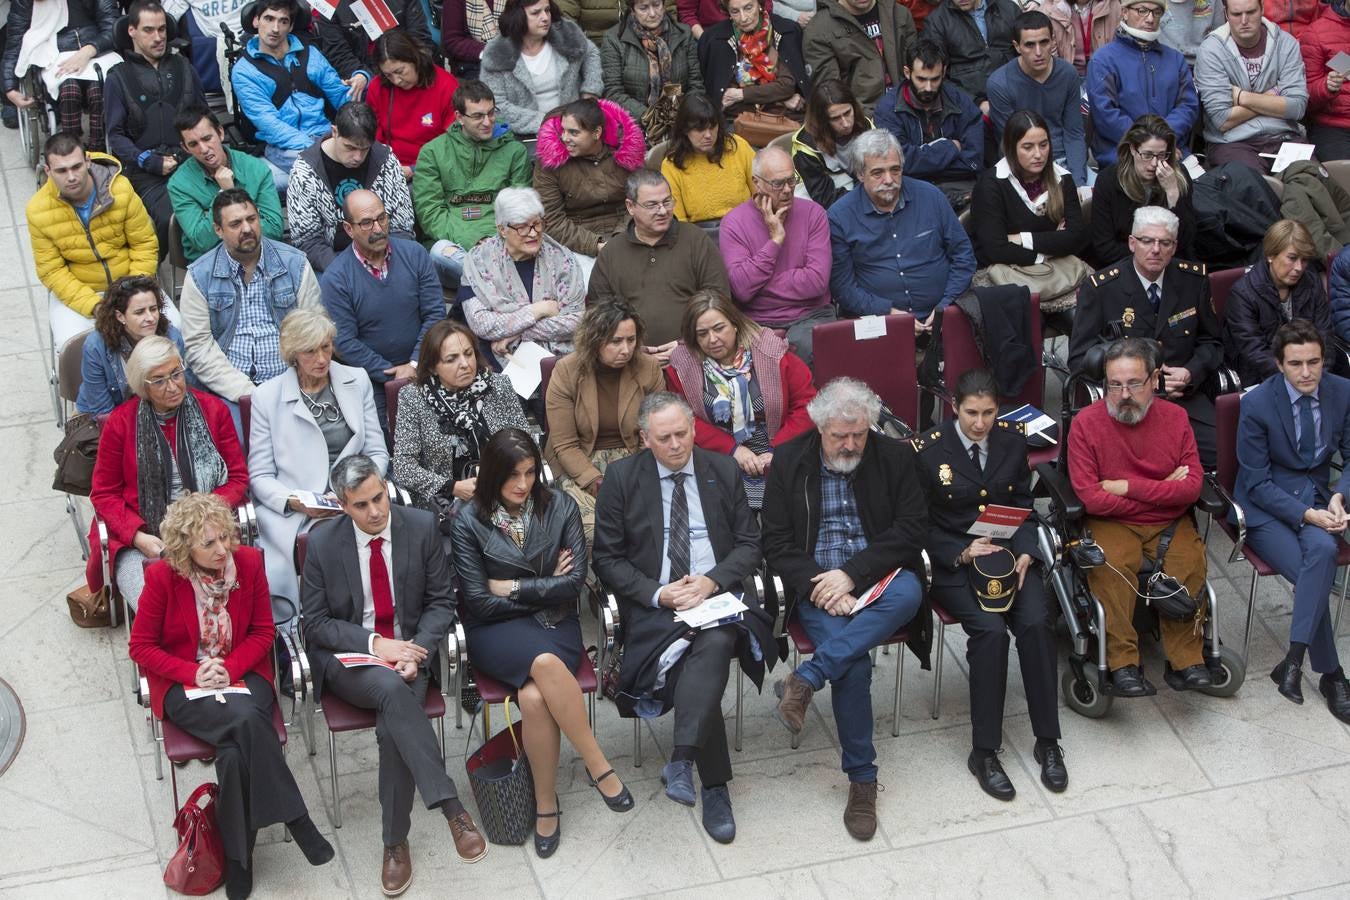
<point x="37" y="122"/>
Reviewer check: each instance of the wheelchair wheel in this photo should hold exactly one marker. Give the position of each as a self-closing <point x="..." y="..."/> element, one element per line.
<point x="1083" y="697"/>
<point x="1228" y="673"/>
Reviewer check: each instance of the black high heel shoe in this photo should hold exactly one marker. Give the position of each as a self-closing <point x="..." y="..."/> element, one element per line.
<point x="544" y="847"/>
<point x="621" y="802"/>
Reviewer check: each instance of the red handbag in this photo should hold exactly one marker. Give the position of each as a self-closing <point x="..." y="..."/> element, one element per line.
<point x="198" y="865"/>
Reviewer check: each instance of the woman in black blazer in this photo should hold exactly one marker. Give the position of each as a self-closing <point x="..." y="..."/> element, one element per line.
<point x="958" y="490"/>
<point x="521" y="556"/>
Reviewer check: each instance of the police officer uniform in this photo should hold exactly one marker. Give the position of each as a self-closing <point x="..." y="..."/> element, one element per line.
<point x="958" y="491"/>
<point x="1113" y="303"/>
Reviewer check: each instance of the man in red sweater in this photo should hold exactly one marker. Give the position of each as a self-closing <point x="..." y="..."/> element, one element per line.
<point x="1134" y="464"/>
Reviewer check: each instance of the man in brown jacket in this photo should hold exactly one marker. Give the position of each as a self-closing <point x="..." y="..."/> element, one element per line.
<point x="842" y="42"/>
<point x="657" y="263"/>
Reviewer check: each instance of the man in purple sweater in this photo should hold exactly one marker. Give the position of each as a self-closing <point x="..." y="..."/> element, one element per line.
<point x="777" y="251"/>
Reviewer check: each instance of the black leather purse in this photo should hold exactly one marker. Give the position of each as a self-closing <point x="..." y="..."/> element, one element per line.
<point x="1163" y="592"/>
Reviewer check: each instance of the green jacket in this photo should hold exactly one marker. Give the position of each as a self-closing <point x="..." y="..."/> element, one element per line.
<point x="191" y="191"/>
<point x="456" y="179"/>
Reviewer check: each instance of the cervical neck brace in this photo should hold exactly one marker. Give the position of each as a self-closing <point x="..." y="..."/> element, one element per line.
<point x="1139" y="35"/>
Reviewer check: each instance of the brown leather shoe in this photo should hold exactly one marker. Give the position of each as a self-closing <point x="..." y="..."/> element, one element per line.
<point x="794" y="697"/>
<point x="396" y="873"/>
<point x="860" y="813"/>
<point x="469" y="843"/>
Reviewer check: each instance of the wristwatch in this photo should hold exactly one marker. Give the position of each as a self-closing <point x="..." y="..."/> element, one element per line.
<point x="515" y="590"/>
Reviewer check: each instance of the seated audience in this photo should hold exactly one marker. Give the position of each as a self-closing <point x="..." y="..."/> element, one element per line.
<point x="819" y="148"/>
<point x="964" y="464"/>
<point x="466" y="28"/>
<point x="328" y="171"/>
<point x="707" y="167"/>
<point x="1250" y="77"/>
<point x="593" y="398"/>
<point x="411" y="97"/>
<point x="286" y="88"/>
<point x="777" y="250"/>
<point x="595" y="16"/>
<point x="700" y="541"/>
<point x="1185" y="23"/>
<point x="520" y="615"/>
<point x="1284" y="284"/>
<point x="861" y="42"/>
<point x="1338" y="291"/>
<point x="458" y="176"/>
<point x="210" y="168"/>
<point x="700" y="15"/>
<point x="539" y="62"/>
<point x="1134" y="466"/>
<point x="303" y="421"/>
<point x="206" y="624"/>
<point x="350" y="44"/>
<point x="647" y="54"/>
<point x="657" y="263"/>
<point x="753" y="61"/>
<point x="584" y="156"/>
<point x="382" y="294"/>
<point x="1295" y="513"/>
<point x="445" y="417"/>
<point x="1329" y="106"/>
<point x="1293" y="16"/>
<point x="878" y="267"/>
<point x="747" y="389"/>
<point x="976" y="38"/>
<point x="1147" y="172"/>
<point x="167" y="441"/>
<point x="87" y="227"/>
<point x="940" y="129"/>
<point x="132" y="309"/>
<point x="235" y="298"/>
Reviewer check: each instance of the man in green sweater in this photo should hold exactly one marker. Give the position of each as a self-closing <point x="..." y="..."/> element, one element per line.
<point x="213" y="168"/>
<point x="457" y="178"/>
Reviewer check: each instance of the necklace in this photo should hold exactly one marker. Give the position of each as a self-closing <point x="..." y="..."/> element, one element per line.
<point x="323" y="411"/>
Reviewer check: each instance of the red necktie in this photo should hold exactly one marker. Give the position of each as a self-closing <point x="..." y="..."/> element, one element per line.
<point x="380" y="591"/>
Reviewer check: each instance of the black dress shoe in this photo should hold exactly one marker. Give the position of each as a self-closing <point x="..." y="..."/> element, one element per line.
<point x="620" y="802"/>
<point x="988" y="771"/>
<point x="1191" y="678"/>
<point x="1054" y="774"/>
<point x="544" y="847"/>
<point x="1337" y="691"/>
<point x="1129" y="681"/>
<point x="1289" y="679"/>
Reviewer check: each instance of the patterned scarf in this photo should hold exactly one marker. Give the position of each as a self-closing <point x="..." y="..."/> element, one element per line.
<point x="753" y="63"/>
<point x="658" y="57"/>
<point x="482" y="21"/>
<point x="213" y="594"/>
<point x="514" y="527"/>
<point x="200" y="465"/>
<point x="459" y="412"/>
<point x="731" y="405"/>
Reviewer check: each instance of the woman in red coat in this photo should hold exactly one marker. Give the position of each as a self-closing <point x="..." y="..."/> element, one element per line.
<point x="411" y="96"/>
<point x="747" y="389"/>
<point x="205" y="624"/>
<point x="167" y="441"/>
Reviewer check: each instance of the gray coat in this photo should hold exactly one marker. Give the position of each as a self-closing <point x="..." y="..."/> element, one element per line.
<point x="505" y="72"/>
<point x="1218" y="68"/>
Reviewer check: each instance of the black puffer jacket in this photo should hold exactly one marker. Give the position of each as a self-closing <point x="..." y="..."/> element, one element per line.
<point x="100" y="17"/>
<point x="971" y="58"/>
<point x="347" y="46"/>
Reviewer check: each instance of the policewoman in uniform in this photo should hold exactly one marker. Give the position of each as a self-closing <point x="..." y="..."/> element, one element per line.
<point x="1151" y="295"/>
<point x="987" y="584"/>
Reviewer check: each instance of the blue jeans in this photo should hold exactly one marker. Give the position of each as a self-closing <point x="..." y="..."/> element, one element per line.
<point x="280" y="160"/>
<point x="842" y="657"/>
<point x="449" y="267"/>
<point x="1307" y="560"/>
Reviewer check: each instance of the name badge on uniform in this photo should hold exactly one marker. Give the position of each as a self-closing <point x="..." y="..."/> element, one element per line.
<point x="1184" y="314"/>
<point x="1127" y="317"/>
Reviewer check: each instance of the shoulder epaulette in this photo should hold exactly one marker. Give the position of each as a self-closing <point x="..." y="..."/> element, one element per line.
<point x="1100" y="278"/>
<point x="1019" y="427"/>
<point x="1195" y="268"/>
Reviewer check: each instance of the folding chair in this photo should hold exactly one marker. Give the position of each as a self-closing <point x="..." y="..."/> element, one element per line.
<point x="391" y="389"/>
<point x="178" y="261"/>
<point x="67" y="386"/>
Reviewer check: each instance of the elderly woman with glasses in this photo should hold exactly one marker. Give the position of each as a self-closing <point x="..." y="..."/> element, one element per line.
<point x="521" y="284"/>
<point x="303" y="421"/>
<point x="167" y="441"/>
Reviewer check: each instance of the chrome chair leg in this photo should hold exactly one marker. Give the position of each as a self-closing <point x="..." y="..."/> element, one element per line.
<point x="796" y="739"/>
<point x="899" y="675"/>
<point x="937" y="668"/>
<point x="740" y="694"/>
<point x="1336" y="622"/>
<point x="332" y="763"/>
<point x="637" y="742"/>
<point x="1251" y="615"/>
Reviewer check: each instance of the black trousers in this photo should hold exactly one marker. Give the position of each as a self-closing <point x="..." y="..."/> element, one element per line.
<point x="154" y="193"/>
<point x="409" y="754"/>
<point x="256" y="787"/>
<point x="700" y="679"/>
<point x="987" y="654"/>
<point x="1332" y="142"/>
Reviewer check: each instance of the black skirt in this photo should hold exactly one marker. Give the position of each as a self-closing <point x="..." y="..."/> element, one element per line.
<point x="507" y="650"/>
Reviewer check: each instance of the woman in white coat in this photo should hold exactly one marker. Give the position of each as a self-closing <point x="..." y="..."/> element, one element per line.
<point x="303" y="421"/>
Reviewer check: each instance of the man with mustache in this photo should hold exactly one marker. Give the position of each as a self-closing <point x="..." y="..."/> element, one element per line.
<point x="1133" y="463"/>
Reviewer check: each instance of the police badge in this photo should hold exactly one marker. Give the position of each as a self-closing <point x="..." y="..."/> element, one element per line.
<point x="1127" y="319"/>
<point x="945" y="474"/>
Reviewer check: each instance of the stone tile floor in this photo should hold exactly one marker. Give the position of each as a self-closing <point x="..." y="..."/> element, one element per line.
<point x="1171" y="796"/>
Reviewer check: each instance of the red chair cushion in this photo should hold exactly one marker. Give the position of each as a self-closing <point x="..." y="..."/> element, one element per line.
<point x="493" y="691"/>
<point x="340" y="715"/>
<point x="940" y="611"/>
<point x="182" y="747"/>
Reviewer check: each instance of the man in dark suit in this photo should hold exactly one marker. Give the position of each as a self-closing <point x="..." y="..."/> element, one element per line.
<point x="1291" y="425"/>
<point x="377" y="582"/>
<point x="673" y="528"/>
<point x="1151" y="295"/>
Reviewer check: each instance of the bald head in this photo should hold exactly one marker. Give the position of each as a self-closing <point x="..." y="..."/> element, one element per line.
<point x="775" y="177"/>
<point x="367" y="223"/>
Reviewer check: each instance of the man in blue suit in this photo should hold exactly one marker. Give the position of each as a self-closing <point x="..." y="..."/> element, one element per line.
<point x="1290" y="426"/>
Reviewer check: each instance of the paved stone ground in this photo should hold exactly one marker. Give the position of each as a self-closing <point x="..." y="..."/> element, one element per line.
<point x="1170" y="796"/>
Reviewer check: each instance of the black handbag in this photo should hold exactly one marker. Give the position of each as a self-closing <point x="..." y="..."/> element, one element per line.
<point x="1168" y="596"/>
<point x="75" y="454"/>
<point x="503" y="788"/>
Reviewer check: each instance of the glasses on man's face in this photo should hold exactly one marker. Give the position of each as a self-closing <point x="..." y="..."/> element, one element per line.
<point x="1148" y="12"/>
<point x="367" y="224"/>
<point x="176" y="376"/>
<point x="777" y="184"/>
<point x="1129" y="387"/>
<point x="1151" y="155"/>
<point x="654" y="205"/>
<point x="525" y="229"/>
<point x="1161" y="243"/>
<point x="480" y="116"/>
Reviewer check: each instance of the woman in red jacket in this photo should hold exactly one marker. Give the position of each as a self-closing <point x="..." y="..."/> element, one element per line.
<point x="411" y="97"/>
<point x="205" y="624"/>
<point x="167" y="441"/>
<point x="747" y="389"/>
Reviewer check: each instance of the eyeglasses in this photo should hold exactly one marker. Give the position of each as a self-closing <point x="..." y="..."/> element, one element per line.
<point x="654" y="205"/>
<point x="478" y="117"/>
<point x="1130" y="387"/>
<point x="526" y="229"/>
<point x="777" y="184"/>
<point x="1150" y="12"/>
<point x="367" y="224"/>
<point x="1150" y="155"/>
<point x="1161" y="243"/>
<point x="176" y="376"/>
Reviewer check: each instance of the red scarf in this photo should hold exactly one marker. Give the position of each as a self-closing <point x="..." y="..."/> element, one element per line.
<point x="754" y="66"/>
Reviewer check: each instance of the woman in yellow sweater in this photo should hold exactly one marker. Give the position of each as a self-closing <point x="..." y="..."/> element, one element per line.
<point x="707" y="167"/>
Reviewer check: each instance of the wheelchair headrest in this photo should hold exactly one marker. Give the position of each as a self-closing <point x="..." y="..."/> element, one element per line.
<point x="300" y="18"/>
<point x="122" y="39"/>
<point x="1093" y="366"/>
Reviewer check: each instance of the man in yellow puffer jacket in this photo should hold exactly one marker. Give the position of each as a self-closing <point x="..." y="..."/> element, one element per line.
<point x="88" y="228"/>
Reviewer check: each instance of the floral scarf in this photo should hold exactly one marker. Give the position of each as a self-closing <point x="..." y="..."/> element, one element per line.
<point x="753" y="63"/>
<point x="514" y="527"/>
<point x="213" y="594"/>
<point x="730" y="387"/>
<point x="481" y="20"/>
<point x="459" y="412"/>
<point x="658" y="57"/>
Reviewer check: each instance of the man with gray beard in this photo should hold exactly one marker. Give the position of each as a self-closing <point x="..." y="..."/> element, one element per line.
<point x="1133" y="463"/>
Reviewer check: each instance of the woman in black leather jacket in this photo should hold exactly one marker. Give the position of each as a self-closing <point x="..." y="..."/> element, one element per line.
<point x="521" y="556"/>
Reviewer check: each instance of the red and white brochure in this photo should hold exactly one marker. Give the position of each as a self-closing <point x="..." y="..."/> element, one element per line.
<point x="356" y="660"/>
<point x="219" y="693"/>
<point x="325" y="8"/>
<point x="873" y="592"/>
<point x="999" y="521"/>
<point x="375" y="17"/>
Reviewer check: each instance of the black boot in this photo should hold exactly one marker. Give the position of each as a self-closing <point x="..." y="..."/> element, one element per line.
<point x="238" y="880"/>
<point x="314" y="845"/>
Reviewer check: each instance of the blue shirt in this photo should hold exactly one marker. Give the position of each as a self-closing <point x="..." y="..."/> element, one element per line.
<point x="915" y="258"/>
<point x="702" y="560"/>
<point x="256" y="348"/>
<point x="86" y="209"/>
<point x="977" y="14"/>
<point x="1294" y="396"/>
<point x="840" y="535"/>
<point x="1059" y="101"/>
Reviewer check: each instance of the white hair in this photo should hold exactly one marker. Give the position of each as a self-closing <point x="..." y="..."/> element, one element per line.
<point x="757" y="167"/>
<point x="516" y="205"/>
<point x="150" y="353"/>
<point x="878" y="142"/>
<point x="846" y="400"/>
<point x="1145" y="216"/>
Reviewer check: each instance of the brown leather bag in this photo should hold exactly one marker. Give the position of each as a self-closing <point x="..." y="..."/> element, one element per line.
<point x="759" y="126"/>
<point x="74" y="456"/>
<point x="89" y="609"/>
<point x="660" y="116"/>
